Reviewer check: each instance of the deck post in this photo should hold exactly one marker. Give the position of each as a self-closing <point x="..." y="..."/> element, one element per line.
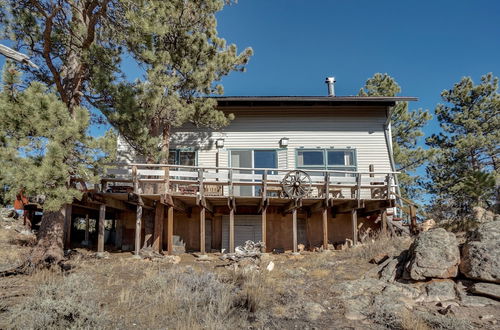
<point x="264" y="226"/>
<point x="67" y="225"/>
<point x="202" y="229"/>
<point x="138" y="220"/>
<point x="87" y="229"/>
<point x="158" y="227"/>
<point x="354" y="221"/>
<point x="100" y="233"/>
<point x="170" y="230"/>
<point x="231" y="229"/>
<point x="325" y="228"/>
<point x="384" y="222"/>
<point x="294" y="224"/>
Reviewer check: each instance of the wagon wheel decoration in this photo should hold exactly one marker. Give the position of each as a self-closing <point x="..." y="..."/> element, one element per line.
<point x="296" y="184"/>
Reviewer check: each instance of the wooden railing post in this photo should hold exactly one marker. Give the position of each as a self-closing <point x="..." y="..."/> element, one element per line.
<point x="231" y="186"/>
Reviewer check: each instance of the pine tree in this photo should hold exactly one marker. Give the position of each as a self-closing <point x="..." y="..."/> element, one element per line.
<point x="464" y="172"/>
<point x="69" y="42"/>
<point x="177" y="45"/>
<point x="406" y="131"/>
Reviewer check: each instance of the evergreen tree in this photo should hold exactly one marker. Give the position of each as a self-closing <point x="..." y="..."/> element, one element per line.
<point x="177" y="45"/>
<point x="69" y="41"/>
<point x="464" y="172"/>
<point x="406" y="130"/>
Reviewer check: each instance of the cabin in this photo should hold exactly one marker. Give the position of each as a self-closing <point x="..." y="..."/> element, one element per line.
<point x="290" y="171"/>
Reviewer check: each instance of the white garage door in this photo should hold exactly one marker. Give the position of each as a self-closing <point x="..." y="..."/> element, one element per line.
<point x="246" y="228"/>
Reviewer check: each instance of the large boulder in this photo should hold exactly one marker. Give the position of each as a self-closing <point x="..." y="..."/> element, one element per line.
<point x="481" y="253"/>
<point x="434" y="254"/>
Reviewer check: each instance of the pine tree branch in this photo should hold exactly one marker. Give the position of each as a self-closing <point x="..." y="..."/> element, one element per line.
<point x="16" y="56"/>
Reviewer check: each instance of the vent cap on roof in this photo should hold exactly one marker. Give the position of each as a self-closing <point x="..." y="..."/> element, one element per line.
<point x="330" y="82"/>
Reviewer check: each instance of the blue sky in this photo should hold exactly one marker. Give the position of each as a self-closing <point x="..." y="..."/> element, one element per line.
<point x="427" y="46"/>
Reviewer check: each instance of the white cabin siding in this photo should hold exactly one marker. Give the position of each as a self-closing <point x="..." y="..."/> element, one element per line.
<point x="359" y="128"/>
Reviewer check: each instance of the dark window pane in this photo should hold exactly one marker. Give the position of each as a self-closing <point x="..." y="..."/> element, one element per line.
<point x="265" y="159"/>
<point x="336" y="158"/>
<point x="172" y="157"/>
<point x="187" y="158"/>
<point x="311" y="158"/>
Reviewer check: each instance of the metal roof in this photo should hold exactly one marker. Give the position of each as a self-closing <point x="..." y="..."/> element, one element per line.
<point x="309" y="100"/>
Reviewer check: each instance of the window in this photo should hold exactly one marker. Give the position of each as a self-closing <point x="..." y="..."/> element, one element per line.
<point x="252" y="159"/>
<point x="329" y="159"/>
<point x="182" y="157"/>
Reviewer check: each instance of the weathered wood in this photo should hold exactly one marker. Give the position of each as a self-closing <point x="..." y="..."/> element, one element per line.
<point x="16" y="56"/>
<point x="170" y="230"/>
<point x="354" y="222"/>
<point x="138" y="220"/>
<point x="384" y="222"/>
<point x="100" y="230"/>
<point x="67" y="225"/>
<point x="325" y="228"/>
<point x="119" y="234"/>
<point x="158" y="227"/>
<point x="231" y="229"/>
<point x="294" y="224"/>
<point x="87" y="228"/>
<point x="202" y="230"/>
<point x="264" y="226"/>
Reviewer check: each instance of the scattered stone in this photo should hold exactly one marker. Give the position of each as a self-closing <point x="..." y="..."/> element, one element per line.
<point x="447" y="303"/>
<point x="481" y="253"/>
<point x="486" y="289"/>
<point x="467" y="299"/>
<point x="204" y="258"/>
<point x="172" y="259"/>
<point x="150" y="253"/>
<point x="434" y="254"/>
<point x="427" y="225"/>
<point x="486" y="317"/>
<point x="270" y="266"/>
<point x="102" y="255"/>
<point x="313" y="311"/>
<point x="440" y="290"/>
<point x="301" y="247"/>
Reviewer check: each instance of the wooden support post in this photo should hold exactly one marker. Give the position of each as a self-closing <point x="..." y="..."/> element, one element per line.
<point x="170" y="230"/>
<point x="100" y="232"/>
<point x="202" y="229"/>
<point x="294" y="224"/>
<point x="264" y="226"/>
<point x="354" y="221"/>
<point x="231" y="229"/>
<point x="158" y="227"/>
<point x="67" y="225"/>
<point x="325" y="228"/>
<point x="384" y="222"/>
<point x="138" y="220"/>
<point x="87" y="229"/>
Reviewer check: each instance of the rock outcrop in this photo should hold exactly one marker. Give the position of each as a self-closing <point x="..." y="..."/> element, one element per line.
<point x="481" y="253"/>
<point x="434" y="254"/>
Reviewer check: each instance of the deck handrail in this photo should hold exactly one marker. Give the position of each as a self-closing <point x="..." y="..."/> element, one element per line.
<point x="248" y="168"/>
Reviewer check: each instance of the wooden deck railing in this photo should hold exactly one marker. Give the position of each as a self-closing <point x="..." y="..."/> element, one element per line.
<point x="234" y="181"/>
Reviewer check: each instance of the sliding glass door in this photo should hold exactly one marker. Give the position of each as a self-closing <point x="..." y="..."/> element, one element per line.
<point x="251" y="159"/>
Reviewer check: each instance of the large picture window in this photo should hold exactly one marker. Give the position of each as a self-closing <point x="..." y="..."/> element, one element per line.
<point x="327" y="159"/>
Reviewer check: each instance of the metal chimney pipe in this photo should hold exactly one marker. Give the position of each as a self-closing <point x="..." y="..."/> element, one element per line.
<point x="330" y="81"/>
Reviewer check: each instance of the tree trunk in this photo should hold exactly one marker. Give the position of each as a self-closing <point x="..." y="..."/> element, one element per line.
<point x="49" y="249"/>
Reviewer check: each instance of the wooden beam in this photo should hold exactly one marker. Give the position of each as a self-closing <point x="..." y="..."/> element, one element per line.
<point x="264" y="226"/>
<point x="231" y="228"/>
<point x="384" y="222"/>
<point x="67" y="225"/>
<point x="170" y="230"/>
<point x="294" y="224"/>
<point x="354" y="222"/>
<point x="202" y="230"/>
<point x="325" y="228"/>
<point x="345" y="207"/>
<point x="87" y="229"/>
<point x="100" y="230"/>
<point x="158" y="228"/>
<point x="138" y="220"/>
<point x="371" y="206"/>
<point x="291" y="206"/>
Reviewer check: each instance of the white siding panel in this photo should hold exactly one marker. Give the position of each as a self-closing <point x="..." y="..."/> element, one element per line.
<point x="360" y="129"/>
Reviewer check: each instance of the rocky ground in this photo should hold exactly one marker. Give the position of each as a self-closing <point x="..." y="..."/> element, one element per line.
<point x="434" y="281"/>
